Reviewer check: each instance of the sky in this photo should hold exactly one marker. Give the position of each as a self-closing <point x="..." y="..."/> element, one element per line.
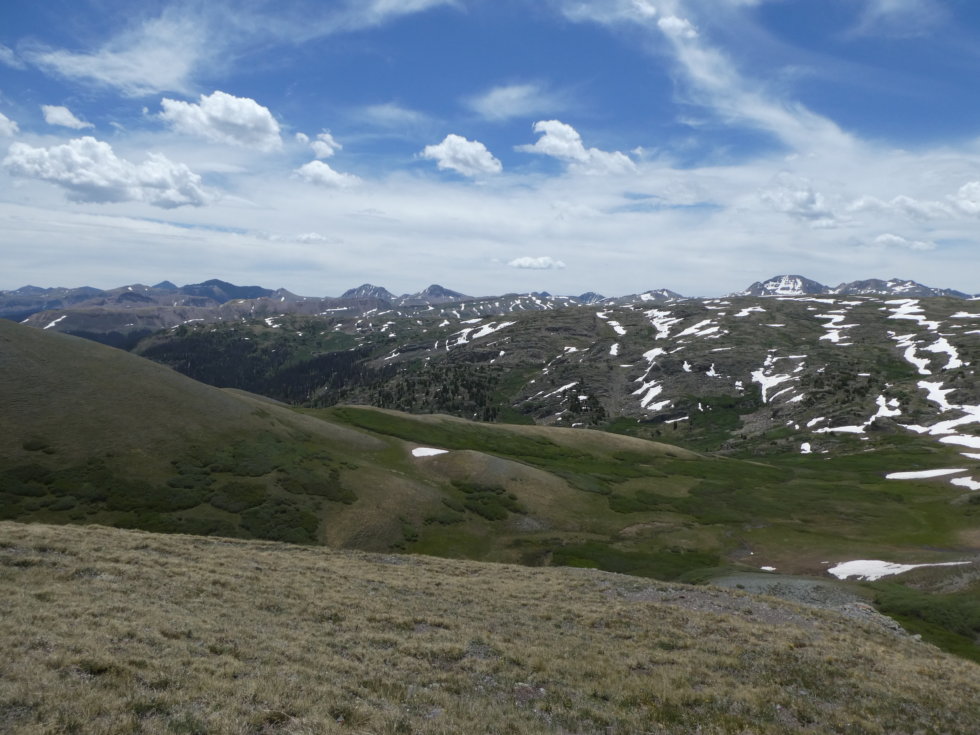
<point x="490" y="146"/>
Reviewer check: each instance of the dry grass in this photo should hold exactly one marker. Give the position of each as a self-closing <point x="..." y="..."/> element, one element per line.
<point x="108" y="631"/>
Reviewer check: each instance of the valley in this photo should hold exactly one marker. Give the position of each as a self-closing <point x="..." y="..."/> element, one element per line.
<point x="670" y="438"/>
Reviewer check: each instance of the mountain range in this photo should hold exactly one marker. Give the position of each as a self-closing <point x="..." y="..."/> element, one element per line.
<point x="122" y="316"/>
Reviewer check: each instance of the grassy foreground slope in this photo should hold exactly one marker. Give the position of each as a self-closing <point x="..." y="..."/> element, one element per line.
<point x="112" y="631"/>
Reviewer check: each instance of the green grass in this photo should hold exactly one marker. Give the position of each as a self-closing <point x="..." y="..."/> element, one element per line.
<point x="949" y="621"/>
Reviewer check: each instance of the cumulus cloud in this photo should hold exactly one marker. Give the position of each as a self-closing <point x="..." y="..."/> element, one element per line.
<point x="57" y="115"/>
<point x="897" y="241"/>
<point x="515" y="100"/>
<point x="325" y="145"/>
<point x="89" y="171"/>
<point x="967" y="199"/>
<point x="157" y="56"/>
<point x="563" y="142"/>
<point x="224" y="118"/>
<point x="468" y="157"/>
<point x="7" y="126"/>
<point x="677" y="27"/>
<point x="797" y="198"/>
<point x="540" y="263"/>
<point x="321" y="174"/>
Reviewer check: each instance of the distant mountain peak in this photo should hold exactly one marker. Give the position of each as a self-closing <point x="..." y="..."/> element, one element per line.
<point x="166" y="286"/>
<point x="786" y="285"/>
<point x="440" y="292"/>
<point x="894" y="287"/>
<point x="222" y="291"/>
<point x="369" y="291"/>
<point x="434" y="294"/>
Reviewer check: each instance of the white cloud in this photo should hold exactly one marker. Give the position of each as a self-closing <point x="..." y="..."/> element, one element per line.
<point x="392" y="115"/>
<point x="57" y="115"/>
<point x="967" y="199"/>
<point x="899" y="18"/>
<point x="325" y="145"/>
<point x="312" y="237"/>
<point x="677" y="27"/>
<point x="610" y="11"/>
<point x="712" y="78"/>
<point x="890" y="240"/>
<point x="796" y="197"/>
<point x="165" y="53"/>
<point x="468" y="157"/>
<point x="157" y="56"/>
<point x="90" y="171"/>
<point x="544" y="262"/>
<point x="321" y="174"/>
<point x="914" y="209"/>
<point x="9" y="58"/>
<point x="515" y="100"/>
<point x="562" y="141"/>
<point x="367" y="13"/>
<point x="7" y="126"/>
<point x="224" y="118"/>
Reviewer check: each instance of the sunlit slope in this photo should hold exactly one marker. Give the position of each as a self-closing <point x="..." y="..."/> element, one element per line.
<point x="118" y="631"/>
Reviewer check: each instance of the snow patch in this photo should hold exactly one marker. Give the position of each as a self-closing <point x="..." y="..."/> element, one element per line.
<point x="966" y="441"/>
<point x="921" y="474"/>
<point x="872" y="569"/>
<point x="968" y="482"/>
<point x="428" y="452"/>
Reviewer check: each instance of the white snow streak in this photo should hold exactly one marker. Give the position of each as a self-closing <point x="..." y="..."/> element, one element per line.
<point x="56" y="321"/>
<point x="921" y="474"/>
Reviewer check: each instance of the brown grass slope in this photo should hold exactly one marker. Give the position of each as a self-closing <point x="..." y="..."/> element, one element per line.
<point x="110" y="631"/>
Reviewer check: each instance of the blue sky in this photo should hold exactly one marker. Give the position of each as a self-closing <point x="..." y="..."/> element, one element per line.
<point x="489" y="145"/>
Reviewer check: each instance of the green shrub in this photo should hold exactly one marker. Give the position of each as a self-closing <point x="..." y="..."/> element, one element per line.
<point x="280" y="519"/>
<point x="306" y="482"/>
<point x="29" y="473"/>
<point x="127" y="496"/>
<point x="65" y="502"/>
<point x="236" y="496"/>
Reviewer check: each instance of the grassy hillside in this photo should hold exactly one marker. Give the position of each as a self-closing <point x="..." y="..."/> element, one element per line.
<point x="89" y="434"/>
<point x="93" y="434"/>
<point x="116" y="632"/>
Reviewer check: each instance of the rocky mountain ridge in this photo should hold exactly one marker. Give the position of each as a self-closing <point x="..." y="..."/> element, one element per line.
<point x="121" y="317"/>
